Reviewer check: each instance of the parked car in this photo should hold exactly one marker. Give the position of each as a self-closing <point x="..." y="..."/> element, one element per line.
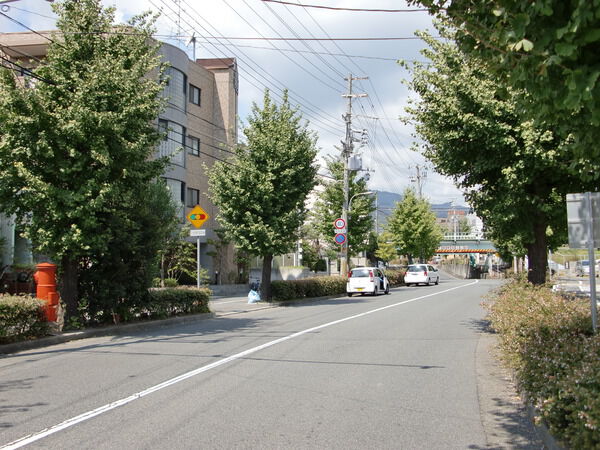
<point x="582" y="268"/>
<point x="421" y="274"/>
<point x="363" y="280"/>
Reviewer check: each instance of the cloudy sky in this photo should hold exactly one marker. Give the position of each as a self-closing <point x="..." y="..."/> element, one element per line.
<point x="312" y="66"/>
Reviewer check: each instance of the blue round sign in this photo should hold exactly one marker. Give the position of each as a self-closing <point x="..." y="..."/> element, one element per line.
<point x="340" y="238"/>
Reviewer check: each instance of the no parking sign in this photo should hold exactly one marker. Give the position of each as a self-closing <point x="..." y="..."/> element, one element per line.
<point x="340" y="238"/>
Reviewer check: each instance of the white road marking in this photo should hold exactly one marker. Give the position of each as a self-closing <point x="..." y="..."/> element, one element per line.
<point x="110" y="406"/>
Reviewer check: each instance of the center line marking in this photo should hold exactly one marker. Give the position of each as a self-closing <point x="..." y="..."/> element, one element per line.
<point x="110" y="406"/>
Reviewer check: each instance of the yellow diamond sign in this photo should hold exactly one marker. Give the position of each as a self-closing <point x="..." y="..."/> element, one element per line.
<point x="197" y="216"/>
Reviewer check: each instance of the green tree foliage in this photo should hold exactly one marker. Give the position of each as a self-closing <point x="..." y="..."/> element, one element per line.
<point x="74" y="148"/>
<point x="178" y="257"/>
<point x="413" y="229"/>
<point x="515" y="174"/>
<point x="548" y="48"/>
<point x="329" y="204"/>
<point x="117" y="279"/>
<point x="386" y="248"/>
<point x="261" y="192"/>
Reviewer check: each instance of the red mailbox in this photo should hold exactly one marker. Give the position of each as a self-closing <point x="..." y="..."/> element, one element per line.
<point x="45" y="278"/>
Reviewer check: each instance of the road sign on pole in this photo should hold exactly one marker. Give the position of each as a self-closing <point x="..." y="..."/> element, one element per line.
<point x="197" y="216"/>
<point x="340" y="238"/>
<point x="339" y="223"/>
<point x="583" y="210"/>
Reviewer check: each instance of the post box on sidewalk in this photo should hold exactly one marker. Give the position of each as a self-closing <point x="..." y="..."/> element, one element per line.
<point x="46" y="289"/>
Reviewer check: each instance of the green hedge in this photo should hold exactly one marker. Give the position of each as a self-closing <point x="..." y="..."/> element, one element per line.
<point x="395" y="277"/>
<point x="168" y="302"/>
<point x="547" y="339"/>
<point x="282" y="291"/>
<point x="21" y="318"/>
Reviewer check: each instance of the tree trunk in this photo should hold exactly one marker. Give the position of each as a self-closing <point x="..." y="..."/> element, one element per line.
<point x="265" y="284"/>
<point x="68" y="287"/>
<point x="537" y="254"/>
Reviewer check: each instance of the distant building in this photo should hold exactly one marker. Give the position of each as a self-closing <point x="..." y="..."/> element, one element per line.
<point x="200" y="118"/>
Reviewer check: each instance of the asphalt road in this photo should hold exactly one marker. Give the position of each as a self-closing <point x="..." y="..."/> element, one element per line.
<point x="410" y="370"/>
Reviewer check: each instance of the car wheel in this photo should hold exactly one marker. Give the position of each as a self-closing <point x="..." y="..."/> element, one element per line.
<point x="387" y="289"/>
<point x="375" y="291"/>
<point x="437" y="280"/>
<point x="349" y="294"/>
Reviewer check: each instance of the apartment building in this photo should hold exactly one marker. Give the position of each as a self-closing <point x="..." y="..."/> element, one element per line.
<point x="201" y="128"/>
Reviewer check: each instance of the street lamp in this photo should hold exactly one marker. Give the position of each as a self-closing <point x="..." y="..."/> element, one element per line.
<point x="356" y="195"/>
<point x="346" y="245"/>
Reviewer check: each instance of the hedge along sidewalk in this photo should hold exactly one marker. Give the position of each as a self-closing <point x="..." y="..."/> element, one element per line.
<point x="127" y="328"/>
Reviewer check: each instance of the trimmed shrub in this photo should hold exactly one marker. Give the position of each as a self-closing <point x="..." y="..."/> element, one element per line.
<point x="282" y="291"/>
<point x="169" y="302"/>
<point x="21" y="318"/>
<point x="395" y="277"/>
<point x="547" y="339"/>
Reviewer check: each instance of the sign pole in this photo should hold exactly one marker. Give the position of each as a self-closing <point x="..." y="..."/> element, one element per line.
<point x="591" y="258"/>
<point x="198" y="262"/>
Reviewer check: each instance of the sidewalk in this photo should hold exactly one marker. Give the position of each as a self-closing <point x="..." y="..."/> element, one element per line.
<point x="219" y="305"/>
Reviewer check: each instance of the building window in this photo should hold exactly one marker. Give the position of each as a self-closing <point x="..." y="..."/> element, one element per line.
<point x="193" y="146"/>
<point x="175" y="89"/>
<point x="195" y="95"/>
<point x="177" y="189"/>
<point x="193" y="197"/>
<point x="173" y="142"/>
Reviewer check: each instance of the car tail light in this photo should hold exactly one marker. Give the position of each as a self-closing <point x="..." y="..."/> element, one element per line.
<point x="350" y="274"/>
<point x="425" y="273"/>
<point x="371" y="275"/>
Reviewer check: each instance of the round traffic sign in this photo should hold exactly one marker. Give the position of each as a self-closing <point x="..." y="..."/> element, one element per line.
<point x="340" y="238"/>
<point x="339" y="223"/>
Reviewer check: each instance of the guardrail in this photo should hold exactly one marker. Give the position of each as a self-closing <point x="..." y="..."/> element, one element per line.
<point x="462" y="237"/>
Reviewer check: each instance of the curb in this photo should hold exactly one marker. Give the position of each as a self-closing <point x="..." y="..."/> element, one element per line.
<point x="98" y="332"/>
<point x="6" y="349"/>
<point x="549" y="441"/>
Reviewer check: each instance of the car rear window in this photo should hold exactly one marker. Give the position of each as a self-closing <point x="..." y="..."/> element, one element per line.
<point x="417" y="268"/>
<point x="360" y="273"/>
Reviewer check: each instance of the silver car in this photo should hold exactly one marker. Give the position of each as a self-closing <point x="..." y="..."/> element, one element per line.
<point x="421" y="274"/>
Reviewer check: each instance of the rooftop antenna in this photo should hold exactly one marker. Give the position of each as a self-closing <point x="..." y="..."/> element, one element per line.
<point x="193" y="42"/>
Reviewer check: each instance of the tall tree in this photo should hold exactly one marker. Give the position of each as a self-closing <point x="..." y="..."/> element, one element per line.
<point x="261" y="192"/>
<point x="547" y="48"/>
<point x="386" y="248"/>
<point x="413" y="229"/>
<point x="329" y="204"/>
<point x="78" y="143"/>
<point x="515" y="174"/>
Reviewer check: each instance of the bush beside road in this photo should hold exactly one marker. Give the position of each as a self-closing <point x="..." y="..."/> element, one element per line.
<point x="547" y="339"/>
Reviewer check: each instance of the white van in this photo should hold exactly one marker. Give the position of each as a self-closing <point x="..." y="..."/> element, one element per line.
<point x="367" y="280"/>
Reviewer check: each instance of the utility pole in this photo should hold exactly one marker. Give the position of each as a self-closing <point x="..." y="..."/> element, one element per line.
<point x="347" y="147"/>
<point x="419" y="178"/>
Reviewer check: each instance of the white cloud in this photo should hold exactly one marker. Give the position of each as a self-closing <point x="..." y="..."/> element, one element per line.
<point x="314" y="84"/>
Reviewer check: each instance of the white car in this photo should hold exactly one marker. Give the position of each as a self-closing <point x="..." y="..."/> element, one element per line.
<point x="367" y="280"/>
<point x="421" y="274"/>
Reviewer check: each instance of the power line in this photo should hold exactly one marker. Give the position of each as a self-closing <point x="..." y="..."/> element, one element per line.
<point x="25" y="71"/>
<point x="26" y="27"/>
<point x="250" y="64"/>
<point x="284" y="39"/>
<point x="305" y="43"/>
<point x="409" y="38"/>
<point x="347" y="9"/>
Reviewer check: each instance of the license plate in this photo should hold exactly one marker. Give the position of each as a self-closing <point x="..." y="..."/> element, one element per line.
<point x="359" y="289"/>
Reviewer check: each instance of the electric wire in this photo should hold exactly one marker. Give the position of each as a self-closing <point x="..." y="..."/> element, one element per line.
<point x="280" y="38"/>
<point x="309" y="111"/>
<point x="305" y="43"/>
<point x="347" y="9"/>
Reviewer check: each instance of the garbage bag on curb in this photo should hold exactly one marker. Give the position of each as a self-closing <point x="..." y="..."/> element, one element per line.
<point x="253" y="296"/>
